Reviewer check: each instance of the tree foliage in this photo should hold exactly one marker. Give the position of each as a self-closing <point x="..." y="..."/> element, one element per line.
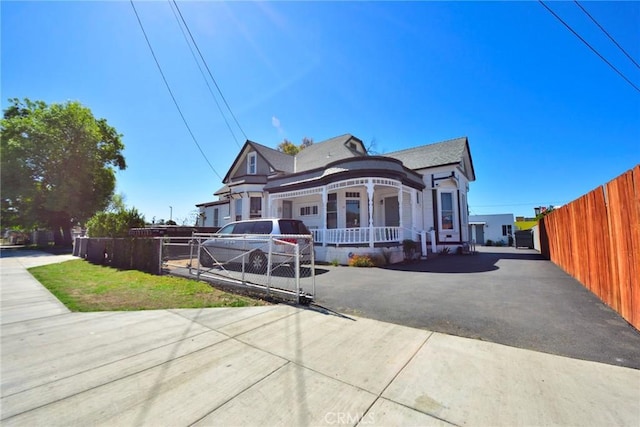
<point x="544" y="211"/>
<point x="114" y="223"/>
<point x="288" y="147"/>
<point x="58" y="165"/>
<point x="292" y="149"/>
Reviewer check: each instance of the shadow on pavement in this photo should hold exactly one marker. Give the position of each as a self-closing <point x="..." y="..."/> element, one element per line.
<point x="474" y="263"/>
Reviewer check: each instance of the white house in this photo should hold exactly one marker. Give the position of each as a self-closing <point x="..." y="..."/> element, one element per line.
<point x="213" y="214"/>
<point x="350" y="200"/>
<point x="497" y="228"/>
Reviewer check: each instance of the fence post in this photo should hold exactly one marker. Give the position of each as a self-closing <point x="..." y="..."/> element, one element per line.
<point x="199" y="256"/>
<point x="434" y="248"/>
<point x="297" y="254"/>
<point x="160" y="247"/>
<point x="190" y="254"/>
<point x="313" y="267"/>
<point x="423" y="243"/>
<point x="269" y="265"/>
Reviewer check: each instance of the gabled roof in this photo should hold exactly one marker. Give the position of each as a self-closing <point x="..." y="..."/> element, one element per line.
<point x="442" y="153"/>
<point x="277" y="160"/>
<point x="321" y="153"/>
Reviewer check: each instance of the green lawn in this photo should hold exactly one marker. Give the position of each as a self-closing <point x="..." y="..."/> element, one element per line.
<point x="82" y="286"/>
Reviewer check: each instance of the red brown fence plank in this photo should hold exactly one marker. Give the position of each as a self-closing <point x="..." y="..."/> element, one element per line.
<point x="635" y="239"/>
<point x="596" y="239"/>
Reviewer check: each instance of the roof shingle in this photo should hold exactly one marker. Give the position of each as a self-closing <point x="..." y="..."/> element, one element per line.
<point x="426" y="156"/>
<point x="321" y="153"/>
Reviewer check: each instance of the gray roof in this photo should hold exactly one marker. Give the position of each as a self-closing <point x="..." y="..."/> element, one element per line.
<point x="431" y="155"/>
<point x="277" y="159"/>
<point x="222" y="190"/>
<point x="321" y="153"/>
<point x="353" y="167"/>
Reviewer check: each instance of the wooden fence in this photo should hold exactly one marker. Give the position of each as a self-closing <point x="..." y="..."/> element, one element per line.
<point x="596" y="239"/>
<point x="130" y="253"/>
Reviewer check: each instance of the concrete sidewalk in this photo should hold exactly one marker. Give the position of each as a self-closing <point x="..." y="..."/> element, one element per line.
<point x="282" y="365"/>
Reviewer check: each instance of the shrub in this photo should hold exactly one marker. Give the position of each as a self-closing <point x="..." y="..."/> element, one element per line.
<point x="409" y="248"/>
<point x="361" y="261"/>
<point x="489" y="242"/>
<point x="445" y="250"/>
<point x="114" y="224"/>
<point x="335" y="262"/>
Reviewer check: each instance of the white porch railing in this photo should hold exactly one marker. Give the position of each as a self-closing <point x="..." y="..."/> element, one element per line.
<point x="359" y="235"/>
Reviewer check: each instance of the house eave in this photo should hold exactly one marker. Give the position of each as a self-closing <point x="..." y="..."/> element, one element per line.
<point x="347" y="169"/>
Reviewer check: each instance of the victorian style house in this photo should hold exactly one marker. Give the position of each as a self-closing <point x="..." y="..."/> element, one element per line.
<point x="352" y="202"/>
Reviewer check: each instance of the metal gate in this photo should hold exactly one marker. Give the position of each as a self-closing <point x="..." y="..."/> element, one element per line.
<point x="275" y="265"/>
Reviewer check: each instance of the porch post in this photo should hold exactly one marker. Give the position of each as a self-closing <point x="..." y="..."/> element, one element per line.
<point x="324" y="215"/>
<point x="370" y="198"/>
<point x="413" y="214"/>
<point x="400" y="223"/>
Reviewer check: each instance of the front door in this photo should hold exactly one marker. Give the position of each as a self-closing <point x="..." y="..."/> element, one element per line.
<point x="479" y="233"/>
<point x="287" y="209"/>
<point x="353" y="213"/>
<point x="391" y="212"/>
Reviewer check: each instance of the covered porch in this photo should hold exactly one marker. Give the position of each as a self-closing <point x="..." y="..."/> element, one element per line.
<point x="361" y="212"/>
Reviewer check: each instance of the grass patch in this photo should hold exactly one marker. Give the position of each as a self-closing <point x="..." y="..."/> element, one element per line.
<point x="82" y="286"/>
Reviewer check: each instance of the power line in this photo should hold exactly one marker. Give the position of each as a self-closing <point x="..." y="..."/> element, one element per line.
<point x="208" y="70"/>
<point x="203" y="76"/>
<point x="605" y="31"/>
<point x="171" y="92"/>
<point x="589" y="46"/>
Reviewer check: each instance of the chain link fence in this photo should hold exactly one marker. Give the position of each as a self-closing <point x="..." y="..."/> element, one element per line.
<point x="281" y="266"/>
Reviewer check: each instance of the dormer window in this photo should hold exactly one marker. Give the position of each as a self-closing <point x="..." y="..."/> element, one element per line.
<point x="252" y="164"/>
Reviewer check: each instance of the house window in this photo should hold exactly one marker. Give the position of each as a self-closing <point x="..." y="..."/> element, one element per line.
<point x="506" y="230"/>
<point x="309" y="210"/>
<point x="332" y="210"/>
<point x="255" y="207"/>
<point x="252" y="162"/>
<point x="216" y="218"/>
<point x="352" y="194"/>
<point x="446" y="210"/>
<point x="238" y="209"/>
<point x="464" y="210"/>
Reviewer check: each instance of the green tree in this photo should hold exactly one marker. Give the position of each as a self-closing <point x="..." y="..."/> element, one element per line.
<point x="58" y="165"/>
<point x="544" y="211"/>
<point x="292" y="149"/>
<point x="288" y="147"/>
<point x="117" y="203"/>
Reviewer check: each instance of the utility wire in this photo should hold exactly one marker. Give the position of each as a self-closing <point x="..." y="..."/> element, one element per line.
<point x="203" y="76"/>
<point x="605" y="31"/>
<point x="208" y="70"/>
<point x="170" y="91"/>
<point x="589" y="46"/>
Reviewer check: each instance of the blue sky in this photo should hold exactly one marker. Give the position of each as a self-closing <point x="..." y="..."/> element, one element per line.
<point x="547" y="120"/>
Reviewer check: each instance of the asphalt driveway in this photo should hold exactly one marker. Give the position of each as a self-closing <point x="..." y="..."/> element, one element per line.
<point x="503" y="295"/>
